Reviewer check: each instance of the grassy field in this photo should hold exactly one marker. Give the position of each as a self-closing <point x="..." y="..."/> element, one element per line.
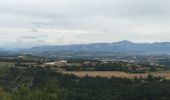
<point x="117" y="74"/>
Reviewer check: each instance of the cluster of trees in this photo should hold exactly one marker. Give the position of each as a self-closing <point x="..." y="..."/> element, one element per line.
<point x="165" y="62"/>
<point x="38" y="83"/>
<point x="29" y="84"/>
<point x="18" y="64"/>
<point x="116" y="66"/>
<point x="25" y="58"/>
<point x="81" y="60"/>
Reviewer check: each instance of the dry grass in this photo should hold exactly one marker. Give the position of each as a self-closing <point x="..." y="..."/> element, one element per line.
<point x="162" y="73"/>
<point x="116" y="74"/>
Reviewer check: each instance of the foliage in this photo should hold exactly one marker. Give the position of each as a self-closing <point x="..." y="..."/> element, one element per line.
<point x="114" y="66"/>
<point x="38" y="83"/>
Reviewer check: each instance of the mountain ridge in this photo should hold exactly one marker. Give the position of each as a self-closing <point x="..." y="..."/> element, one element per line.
<point x="121" y="46"/>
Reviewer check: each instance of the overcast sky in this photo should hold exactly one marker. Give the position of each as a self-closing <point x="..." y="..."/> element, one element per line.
<point x="26" y="23"/>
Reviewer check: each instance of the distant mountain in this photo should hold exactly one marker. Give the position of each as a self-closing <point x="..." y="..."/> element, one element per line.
<point x="121" y="46"/>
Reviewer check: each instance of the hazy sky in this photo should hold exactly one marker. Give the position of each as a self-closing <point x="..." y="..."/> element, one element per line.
<point x="25" y="23"/>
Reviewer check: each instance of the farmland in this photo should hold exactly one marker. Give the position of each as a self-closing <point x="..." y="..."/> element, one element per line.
<point x="120" y="74"/>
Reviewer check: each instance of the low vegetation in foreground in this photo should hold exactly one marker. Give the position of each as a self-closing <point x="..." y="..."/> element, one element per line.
<point x="37" y="83"/>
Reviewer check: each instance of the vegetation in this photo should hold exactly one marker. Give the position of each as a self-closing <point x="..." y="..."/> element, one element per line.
<point x="37" y="83"/>
<point x="23" y="59"/>
<point x="116" y="66"/>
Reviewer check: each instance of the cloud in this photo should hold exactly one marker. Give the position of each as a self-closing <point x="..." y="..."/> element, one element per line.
<point x="83" y="21"/>
<point x="34" y="36"/>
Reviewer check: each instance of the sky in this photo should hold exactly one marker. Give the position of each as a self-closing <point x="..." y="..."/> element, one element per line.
<point x="27" y="23"/>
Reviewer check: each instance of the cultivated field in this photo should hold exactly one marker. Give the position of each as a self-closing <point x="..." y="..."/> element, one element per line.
<point x="116" y="74"/>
